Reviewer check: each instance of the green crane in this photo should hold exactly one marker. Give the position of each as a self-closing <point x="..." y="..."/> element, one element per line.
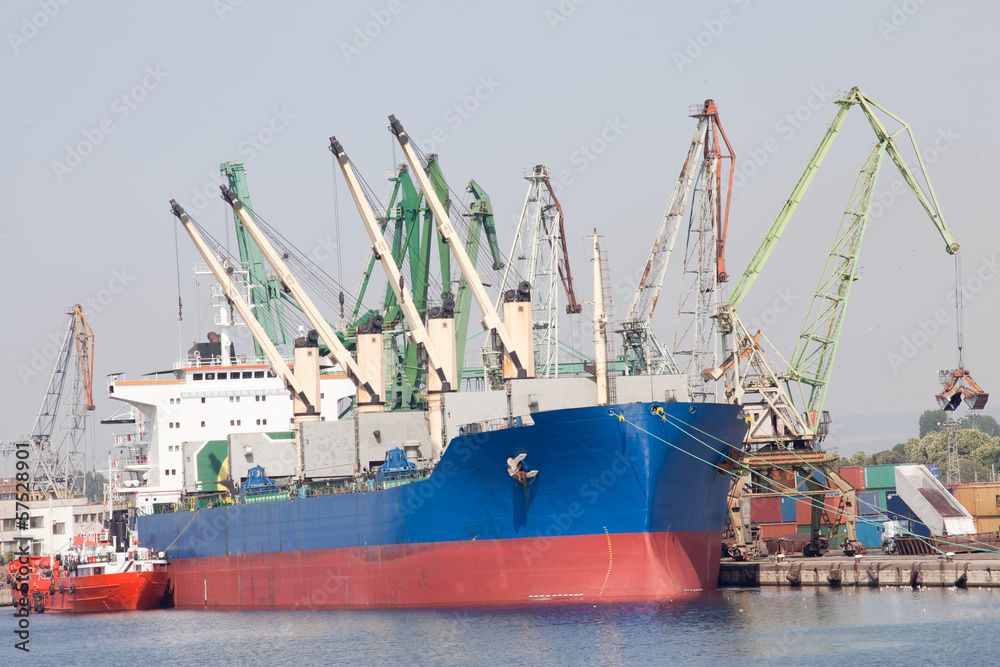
<point x="480" y="218"/>
<point x="411" y="223"/>
<point x="265" y="293"/>
<point x="775" y="418"/>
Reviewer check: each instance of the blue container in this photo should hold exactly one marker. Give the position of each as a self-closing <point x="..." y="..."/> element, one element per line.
<point x="896" y="508"/>
<point x="870" y="531"/>
<point x="868" y="504"/>
<point x="788" y="510"/>
<point x="818" y="476"/>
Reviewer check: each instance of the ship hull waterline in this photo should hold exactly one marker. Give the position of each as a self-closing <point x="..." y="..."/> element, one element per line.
<point x="126" y="591"/>
<point x="628" y="505"/>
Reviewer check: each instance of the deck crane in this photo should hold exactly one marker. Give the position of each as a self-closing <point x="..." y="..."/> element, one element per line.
<point x="776" y="422"/>
<point x="519" y="354"/>
<point x="480" y="221"/>
<point x="642" y="352"/>
<point x="265" y="293"/>
<point x="410" y="223"/>
<point x="417" y="333"/>
<point x="540" y="253"/>
<point x="57" y="458"/>
<point x="368" y="397"/>
<point x="440" y="354"/>
<point x="222" y="273"/>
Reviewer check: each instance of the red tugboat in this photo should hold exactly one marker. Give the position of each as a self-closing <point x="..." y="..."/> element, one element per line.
<point x="106" y="574"/>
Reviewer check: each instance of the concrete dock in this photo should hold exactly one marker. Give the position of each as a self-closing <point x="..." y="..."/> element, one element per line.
<point x="873" y="569"/>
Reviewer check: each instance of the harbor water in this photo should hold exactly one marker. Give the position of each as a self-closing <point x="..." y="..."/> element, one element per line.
<point x="786" y="626"/>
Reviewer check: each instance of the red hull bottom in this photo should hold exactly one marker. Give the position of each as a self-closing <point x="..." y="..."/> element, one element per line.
<point x="126" y="591"/>
<point x="578" y="568"/>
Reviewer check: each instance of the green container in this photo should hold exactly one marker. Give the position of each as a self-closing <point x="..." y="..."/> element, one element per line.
<point x="881" y="500"/>
<point x="880" y="477"/>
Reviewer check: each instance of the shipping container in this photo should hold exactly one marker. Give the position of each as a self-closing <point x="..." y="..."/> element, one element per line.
<point x="765" y="510"/>
<point x="897" y="509"/>
<point x="882" y="500"/>
<point x="803" y="510"/>
<point x="771" y="530"/>
<point x="855" y="476"/>
<point x="966" y="497"/>
<point x="870" y="530"/>
<point x="868" y="503"/>
<point x="818" y="476"/>
<point x="831" y="505"/>
<point x="982" y="500"/>
<point x="987" y="524"/>
<point x="880" y="477"/>
<point x="788" y="509"/>
<point x="988" y="500"/>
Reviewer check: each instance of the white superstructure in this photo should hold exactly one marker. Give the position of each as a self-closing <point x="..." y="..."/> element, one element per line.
<point x="205" y="397"/>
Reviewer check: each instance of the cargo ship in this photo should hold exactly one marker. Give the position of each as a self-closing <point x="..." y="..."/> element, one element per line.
<point x="627" y="504"/>
<point x="581" y="488"/>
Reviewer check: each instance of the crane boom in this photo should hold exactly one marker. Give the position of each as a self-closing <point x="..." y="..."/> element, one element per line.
<point x="855" y="96"/>
<point x="491" y="321"/>
<point x="778" y="226"/>
<point x="338" y="353"/>
<point x="418" y="333"/>
<point x="812" y="360"/>
<point x="233" y="295"/>
<point x="480" y="219"/>
<point x="651" y="281"/>
<point x="85" y="353"/>
<point x="264" y="293"/>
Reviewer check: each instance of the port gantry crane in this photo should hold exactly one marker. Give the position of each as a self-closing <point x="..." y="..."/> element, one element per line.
<point x="539" y="255"/>
<point x="783" y="434"/>
<point x="56" y="442"/>
<point x="704" y="272"/>
<point x="642" y="352"/>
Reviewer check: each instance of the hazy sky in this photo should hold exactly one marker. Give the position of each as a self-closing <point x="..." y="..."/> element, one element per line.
<point x="114" y="108"/>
